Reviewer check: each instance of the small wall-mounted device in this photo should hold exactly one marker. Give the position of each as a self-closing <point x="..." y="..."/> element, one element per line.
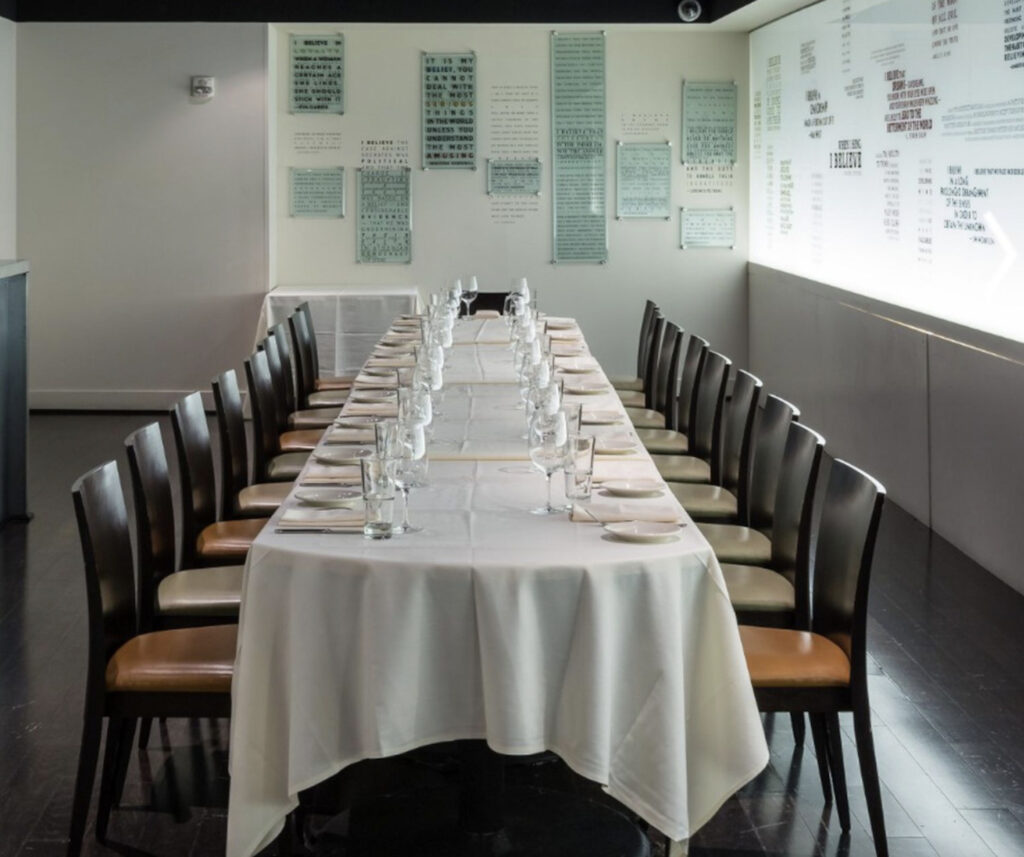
<point x="689" y="11"/>
<point x="203" y="86"/>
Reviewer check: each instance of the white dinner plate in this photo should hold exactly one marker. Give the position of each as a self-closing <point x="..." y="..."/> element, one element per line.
<point x="633" y="487"/>
<point x="328" y="498"/>
<point x="594" y="389"/>
<point x="614" y="446"/>
<point x="643" y="531"/>
<point x="577" y="370"/>
<point x="341" y="457"/>
<point x="601" y="418"/>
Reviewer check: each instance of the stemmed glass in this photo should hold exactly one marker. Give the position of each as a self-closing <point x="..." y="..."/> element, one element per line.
<point x="409" y="467"/>
<point x="469" y="293"/>
<point x="548" y="444"/>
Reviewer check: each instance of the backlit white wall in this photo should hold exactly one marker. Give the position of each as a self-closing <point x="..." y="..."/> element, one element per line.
<point x="8" y="149"/>
<point x="142" y="214"/>
<point x="453" y="233"/>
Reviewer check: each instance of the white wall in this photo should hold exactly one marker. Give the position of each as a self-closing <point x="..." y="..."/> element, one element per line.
<point x="8" y="149"/>
<point x="142" y="214"/>
<point x="453" y="231"/>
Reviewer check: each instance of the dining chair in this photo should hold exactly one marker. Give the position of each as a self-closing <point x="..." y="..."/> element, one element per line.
<point x="722" y="501"/>
<point x="704" y="462"/>
<point x="636" y="383"/>
<point x="182" y="672"/>
<point x="315" y="419"/>
<point x="169" y="597"/>
<point x="662" y="390"/>
<point x="321" y="383"/>
<point x="239" y="497"/>
<point x="205" y="540"/>
<point x="270" y="464"/>
<point x="312" y="392"/>
<point x="673" y="439"/>
<point x="487" y="303"/>
<point x="823" y="670"/>
<point x="642" y="398"/>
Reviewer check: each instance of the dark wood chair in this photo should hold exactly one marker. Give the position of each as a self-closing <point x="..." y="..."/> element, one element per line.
<point x="183" y="672"/>
<point x="282" y="373"/>
<point x="642" y="398"/>
<point x="704" y="463"/>
<point x="823" y="671"/>
<point x="335" y="383"/>
<point x="722" y="502"/>
<point x="489" y="302"/>
<point x="664" y="394"/>
<point x="636" y="383"/>
<point x="270" y="464"/>
<point x="205" y="540"/>
<point x="239" y="496"/>
<point x="310" y="393"/>
<point x="674" y="438"/>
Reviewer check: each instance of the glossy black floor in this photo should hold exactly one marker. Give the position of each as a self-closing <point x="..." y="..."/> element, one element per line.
<point x="947" y="692"/>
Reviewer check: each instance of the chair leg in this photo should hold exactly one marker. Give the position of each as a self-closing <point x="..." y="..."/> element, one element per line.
<point x="144" y="729"/>
<point x="92" y="730"/>
<point x="124" y="757"/>
<point x="869" y="774"/>
<point x="799" y="729"/>
<point x="819" y="734"/>
<point x="835" y="761"/>
<point x="115" y="730"/>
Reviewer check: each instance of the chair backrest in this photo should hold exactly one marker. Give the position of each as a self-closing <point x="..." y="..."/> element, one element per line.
<point x="737" y="426"/>
<point x="306" y="311"/>
<point x="769" y="444"/>
<point x="234" y="457"/>
<point x="646" y="334"/>
<point x="195" y="467"/>
<point x="494" y="301"/>
<point x="652" y="359"/>
<point x="109" y="576"/>
<point x="283" y="338"/>
<point x="154" y="516"/>
<point x="686" y="402"/>
<point x="266" y="441"/>
<point x="794" y="507"/>
<point x="671" y="382"/>
<point x="277" y="382"/>
<point x="306" y="374"/>
<point x="705" y="433"/>
<point x="842" y="562"/>
<point x="664" y="374"/>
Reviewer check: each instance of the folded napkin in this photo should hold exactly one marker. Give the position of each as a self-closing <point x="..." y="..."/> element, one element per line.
<point x="559" y="319"/>
<point x="303" y="518"/>
<point x="565" y="349"/>
<point x="608" y="512"/>
<point x="374" y="409"/>
<point x="391" y="362"/>
<point x="401" y="336"/>
<point x="351" y="435"/>
<point x="327" y="474"/>
<point x="380" y="381"/>
<point x="565" y="335"/>
<point x="587" y="363"/>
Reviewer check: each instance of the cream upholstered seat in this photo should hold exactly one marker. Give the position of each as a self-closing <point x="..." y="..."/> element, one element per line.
<point x="326" y="398"/>
<point x="643" y="418"/>
<point x="201" y="592"/>
<point x="227" y="541"/>
<point x="261" y="499"/>
<point x="705" y="502"/>
<point x="674" y="439"/>
<point x="733" y="543"/>
<point x="301" y="440"/>
<point x="682" y="468"/>
<point x="286" y="466"/>
<point x="663" y="441"/>
<point x="312" y="418"/>
<point x="635" y="383"/>
<point x="627" y="383"/>
<point x="631" y="398"/>
<point x="753" y="589"/>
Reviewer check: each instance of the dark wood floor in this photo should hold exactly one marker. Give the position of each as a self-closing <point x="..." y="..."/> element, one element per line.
<point x="946" y="640"/>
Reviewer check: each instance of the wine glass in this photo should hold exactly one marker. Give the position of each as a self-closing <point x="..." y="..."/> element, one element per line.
<point x="548" y="444"/>
<point x="409" y="468"/>
<point x="469" y="293"/>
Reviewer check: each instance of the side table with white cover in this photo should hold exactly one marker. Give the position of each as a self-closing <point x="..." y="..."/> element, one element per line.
<point x="534" y="633"/>
<point x="347" y="319"/>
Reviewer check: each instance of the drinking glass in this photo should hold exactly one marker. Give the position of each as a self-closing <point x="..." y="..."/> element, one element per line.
<point x="548" y="441"/>
<point x="378" y="496"/>
<point x="409" y="468"/>
<point x="579" y="466"/>
<point x="573" y="416"/>
<point x="469" y="293"/>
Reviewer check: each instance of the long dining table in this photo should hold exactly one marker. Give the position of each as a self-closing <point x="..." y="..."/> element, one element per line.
<point x="532" y="632"/>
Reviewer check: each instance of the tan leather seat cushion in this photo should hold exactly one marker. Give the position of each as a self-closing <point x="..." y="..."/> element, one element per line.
<point x="663" y="441"/>
<point x="215" y="591"/>
<point x="631" y="398"/>
<point x="228" y="541"/>
<point x="326" y="398"/>
<point x="261" y="499"/>
<point x="742" y="545"/>
<point x="286" y="467"/>
<point x="313" y="418"/>
<point x="336" y="383"/>
<point x="757" y="589"/>
<point x="645" y="418"/>
<point x="300" y="441"/>
<point x="626" y="382"/>
<point x="706" y="502"/>
<point x="682" y="468"/>
<point x="185" y="660"/>
<point x="779" y="657"/>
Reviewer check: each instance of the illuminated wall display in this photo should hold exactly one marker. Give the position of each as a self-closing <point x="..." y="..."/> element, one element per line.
<point x="887" y="153"/>
<point x="317" y="74"/>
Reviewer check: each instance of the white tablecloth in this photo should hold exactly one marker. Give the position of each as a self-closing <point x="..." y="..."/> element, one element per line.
<point x="531" y="632"/>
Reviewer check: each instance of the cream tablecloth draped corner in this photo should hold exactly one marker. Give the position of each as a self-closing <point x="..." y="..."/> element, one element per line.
<point x="532" y="632"/>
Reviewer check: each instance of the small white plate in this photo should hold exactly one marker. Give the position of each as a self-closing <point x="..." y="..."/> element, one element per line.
<point x="633" y="488"/>
<point x="328" y="498"/>
<point x="613" y="446"/>
<point x="601" y="418"/>
<point x="341" y="457"/>
<point x="379" y="371"/>
<point x="643" y="531"/>
<point x="586" y="389"/>
<point x="577" y="370"/>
